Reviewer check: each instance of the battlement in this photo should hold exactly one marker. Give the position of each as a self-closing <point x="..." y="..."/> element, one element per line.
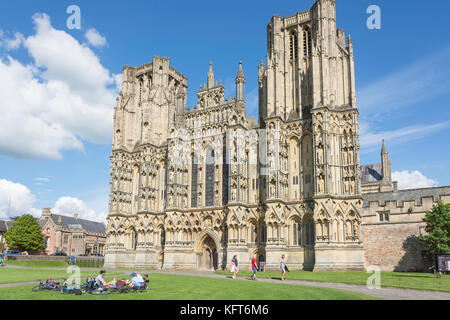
<point x="407" y="198"/>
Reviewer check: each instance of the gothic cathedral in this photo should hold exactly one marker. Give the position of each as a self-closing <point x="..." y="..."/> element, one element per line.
<point x="193" y="186"/>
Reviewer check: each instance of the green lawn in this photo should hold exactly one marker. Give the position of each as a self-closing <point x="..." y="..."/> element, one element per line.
<point x="176" y="287"/>
<point x="38" y="263"/>
<point x="10" y="275"/>
<point x="410" y="280"/>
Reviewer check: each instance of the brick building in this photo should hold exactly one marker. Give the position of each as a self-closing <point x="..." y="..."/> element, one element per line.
<point x="72" y="235"/>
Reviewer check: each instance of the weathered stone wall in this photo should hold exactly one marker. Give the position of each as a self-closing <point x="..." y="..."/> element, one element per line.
<point x="394" y="247"/>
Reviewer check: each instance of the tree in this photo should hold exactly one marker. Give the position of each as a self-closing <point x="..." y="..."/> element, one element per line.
<point x="25" y="235"/>
<point x="438" y="229"/>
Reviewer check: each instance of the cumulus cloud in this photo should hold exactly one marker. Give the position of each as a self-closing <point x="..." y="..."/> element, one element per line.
<point x="69" y="205"/>
<point x="63" y="97"/>
<point x="413" y="180"/>
<point x="15" y="200"/>
<point x="11" y="43"/>
<point x="95" y="38"/>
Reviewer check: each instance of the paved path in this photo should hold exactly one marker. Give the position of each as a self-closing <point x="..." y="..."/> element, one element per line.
<point x="383" y="293"/>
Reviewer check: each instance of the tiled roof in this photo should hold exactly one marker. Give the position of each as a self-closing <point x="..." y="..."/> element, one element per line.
<point x="371" y="173"/>
<point x="5" y="225"/>
<point x="88" y="225"/>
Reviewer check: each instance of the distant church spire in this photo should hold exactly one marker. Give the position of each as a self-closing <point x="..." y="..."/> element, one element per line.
<point x="210" y="76"/>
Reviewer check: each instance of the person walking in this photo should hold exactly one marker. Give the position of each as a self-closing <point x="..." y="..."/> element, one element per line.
<point x="234" y="266"/>
<point x="254" y="267"/>
<point x="282" y="267"/>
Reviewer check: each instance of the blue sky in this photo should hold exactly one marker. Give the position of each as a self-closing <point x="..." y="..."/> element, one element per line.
<point x="58" y="155"/>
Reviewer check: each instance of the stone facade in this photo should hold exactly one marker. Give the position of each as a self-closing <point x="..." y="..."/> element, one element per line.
<point x="392" y="223"/>
<point x="71" y="235"/>
<point x="192" y="186"/>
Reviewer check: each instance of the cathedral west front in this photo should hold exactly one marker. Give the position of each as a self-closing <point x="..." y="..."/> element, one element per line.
<point x="193" y="186"/>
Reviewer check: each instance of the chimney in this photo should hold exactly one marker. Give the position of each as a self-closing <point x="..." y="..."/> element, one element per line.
<point x="395" y="186"/>
<point x="75" y="215"/>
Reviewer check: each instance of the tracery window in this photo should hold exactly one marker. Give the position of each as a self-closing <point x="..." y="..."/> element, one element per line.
<point x="209" y="183"/>
<point x="194" y="184"/>
<point x="307" y="42"/>
<point x="293" y="40"/>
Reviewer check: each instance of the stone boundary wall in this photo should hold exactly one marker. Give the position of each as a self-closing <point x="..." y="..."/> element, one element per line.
<point x="394" y="245"/>
<point x="52" y="258"/>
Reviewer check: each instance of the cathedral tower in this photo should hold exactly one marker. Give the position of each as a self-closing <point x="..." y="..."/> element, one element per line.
<point x="308" y="106"/>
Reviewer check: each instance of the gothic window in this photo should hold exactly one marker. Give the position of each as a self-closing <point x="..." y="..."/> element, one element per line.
<point x="293" y="41"/>
<point x="225" y="170"/>
<point x="194" y="185"/>
<point x="306" y="42"/>
<point x="141" y="84"/>
<point x="209" y="183"/>
<point x="296" y="227"/>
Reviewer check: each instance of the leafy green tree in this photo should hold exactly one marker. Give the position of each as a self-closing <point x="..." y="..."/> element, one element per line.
<point x="25" y="235"/>
<point x="438" y="229"/>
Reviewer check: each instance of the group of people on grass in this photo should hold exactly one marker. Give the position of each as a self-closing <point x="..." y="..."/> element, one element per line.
<point x="235" y="267"/>
<point x="137" y="281"/>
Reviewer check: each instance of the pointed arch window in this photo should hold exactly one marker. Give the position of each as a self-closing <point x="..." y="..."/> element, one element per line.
<point x="209" y="183"/>
<point x="194" y="182"/>
<point x="293" y="41"/>
<point x="307" y="42"/>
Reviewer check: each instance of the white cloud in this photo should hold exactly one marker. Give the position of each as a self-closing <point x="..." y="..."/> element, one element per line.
<point x="42" y="179"/>
<point x="11" y="43"/>
<point x="95" y="38"/>
<point x="418" y="82"/>
<point x="421" y="81"/>
<point x="15" y="200"/>
<point x="63" y="97"/>
<point x="69" y="205"/>
<point x="370" y="139"/>
<point x="413" y="180"/>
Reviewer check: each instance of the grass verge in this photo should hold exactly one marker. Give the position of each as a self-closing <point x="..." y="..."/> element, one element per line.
<point x="177" y="287"/>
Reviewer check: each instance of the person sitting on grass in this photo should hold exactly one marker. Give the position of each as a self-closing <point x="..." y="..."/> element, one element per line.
<point x="100" y="281"/>
<point x="137" y="281"/>
<point x="146" y="281"/>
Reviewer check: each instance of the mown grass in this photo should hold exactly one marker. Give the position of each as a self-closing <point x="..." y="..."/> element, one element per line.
<point x="56" y="264"/>
<point x="177" y="287"/>
<point x="38" y="263"/>
<point x="406" y="280"/>
<point x="10" y="275"/>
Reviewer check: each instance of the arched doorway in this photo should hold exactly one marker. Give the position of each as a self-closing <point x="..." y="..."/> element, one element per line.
<point x="207" y="254"/>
